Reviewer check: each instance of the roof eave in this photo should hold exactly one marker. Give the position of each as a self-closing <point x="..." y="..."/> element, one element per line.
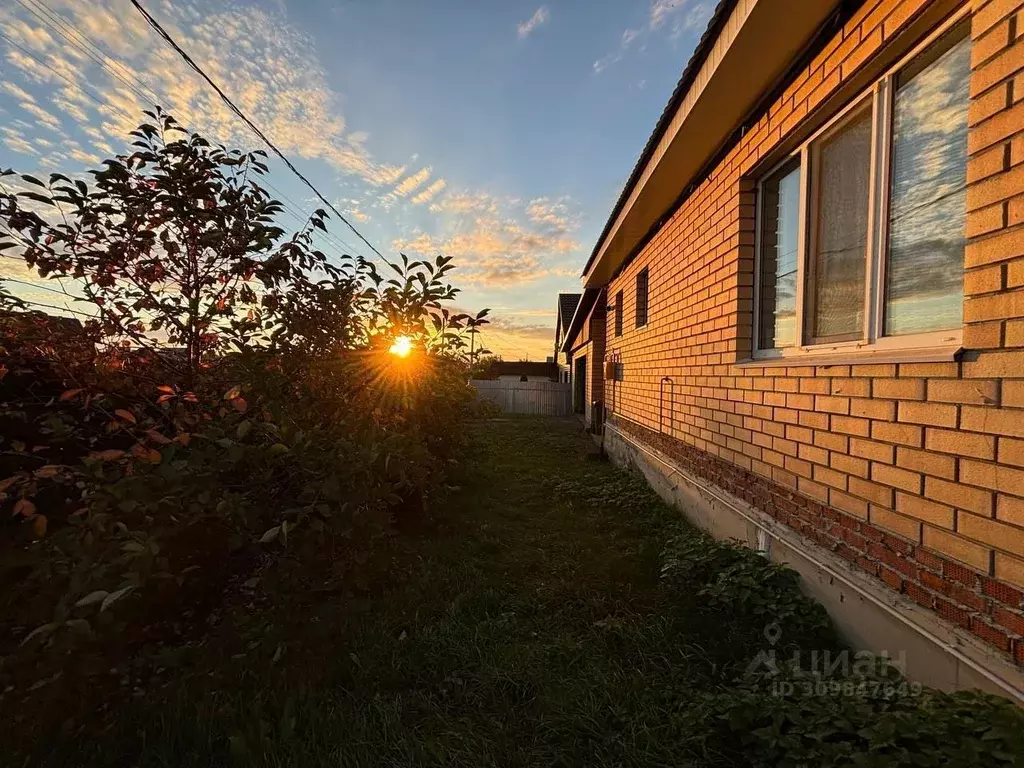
<point x="748" y="47"/>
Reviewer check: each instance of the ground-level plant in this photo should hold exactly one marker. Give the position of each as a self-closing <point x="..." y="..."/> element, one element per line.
<point x="533" y="621"/>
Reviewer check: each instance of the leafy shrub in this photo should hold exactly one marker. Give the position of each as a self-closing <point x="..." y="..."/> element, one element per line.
<point x="758" y="726"/>
<point x="737" y="582"/>
<point x="796" y="714"/>
<point x="230" y="387"/>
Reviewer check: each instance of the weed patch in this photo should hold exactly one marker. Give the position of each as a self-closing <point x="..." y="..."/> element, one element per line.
<point x="552" y="611"/>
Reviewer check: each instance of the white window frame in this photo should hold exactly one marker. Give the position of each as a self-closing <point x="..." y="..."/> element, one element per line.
<point x="946" y="343"/>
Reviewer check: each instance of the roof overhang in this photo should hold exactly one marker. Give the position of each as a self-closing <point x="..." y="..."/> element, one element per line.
<point x="749" y="46"/>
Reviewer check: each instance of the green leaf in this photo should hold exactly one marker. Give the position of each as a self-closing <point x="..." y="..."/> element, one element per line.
<point x="270" y="534"/>
<point x="32" y="180"/>
<point x="37" y="197"/>
<point x="113" y="597"/>
<point x="93" y="597"/>
<point x="44" y="631"/>
<point x="244" y="429"/>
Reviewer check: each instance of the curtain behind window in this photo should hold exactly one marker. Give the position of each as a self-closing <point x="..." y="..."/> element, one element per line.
<point x="840" y="255"/>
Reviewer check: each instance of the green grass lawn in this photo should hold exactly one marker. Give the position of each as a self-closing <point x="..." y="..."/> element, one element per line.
<point x="523" y="624"/>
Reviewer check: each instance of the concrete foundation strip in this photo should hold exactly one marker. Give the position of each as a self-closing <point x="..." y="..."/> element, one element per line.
<point x="1015" y="693"/>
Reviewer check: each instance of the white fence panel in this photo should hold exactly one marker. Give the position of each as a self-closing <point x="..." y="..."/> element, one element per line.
<point x="541" y="398"/>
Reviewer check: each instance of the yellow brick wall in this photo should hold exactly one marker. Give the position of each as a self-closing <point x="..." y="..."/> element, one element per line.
<point x="933" y="452"/>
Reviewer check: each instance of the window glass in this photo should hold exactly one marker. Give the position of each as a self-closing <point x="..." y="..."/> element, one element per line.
<point x="780" y="222"/>
<point x="838" y="262"/>
<point x="641" y="298"/>
<point x="928" y="207"/>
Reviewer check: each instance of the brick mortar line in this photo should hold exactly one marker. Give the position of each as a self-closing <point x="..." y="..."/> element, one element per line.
<point x="988" y="608"/>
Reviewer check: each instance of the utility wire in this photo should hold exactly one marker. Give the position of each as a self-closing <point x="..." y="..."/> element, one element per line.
<point x="61" y="27"/>
<point x="59" y="309"/>
<point x="105" y="62"/>
<point x="503" y="342"/>
<point x="231" y="105"/>
<point x="101" y="58"/>
<point x="37" y="285"/>
<point x="61" y="75"/>
<point x="336" y="240"/>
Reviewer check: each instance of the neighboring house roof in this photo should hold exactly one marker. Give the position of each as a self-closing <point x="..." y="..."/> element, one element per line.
<point x="566" y="307"/>
<point x="747" y="50"/>
<point x="522" y="368"/>
<point x="583" y="307"/>
<point x="63" y="322"/>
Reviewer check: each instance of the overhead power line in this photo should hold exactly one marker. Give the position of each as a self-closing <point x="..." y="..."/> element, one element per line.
<point x="99" y="56"/>
<point x="61" y="75"/>
<point x="81" y="43"/>
<point x="241" y="115"/>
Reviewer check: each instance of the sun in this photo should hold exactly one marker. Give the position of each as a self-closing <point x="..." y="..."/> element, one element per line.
<point x="401" y="346"/>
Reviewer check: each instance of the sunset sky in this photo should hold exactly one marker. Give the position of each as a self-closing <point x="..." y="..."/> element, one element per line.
<point x="498" y="133"/>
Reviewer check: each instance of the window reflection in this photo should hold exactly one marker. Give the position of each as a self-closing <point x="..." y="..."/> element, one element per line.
<point x="779" y="250"/>
<point x="927" y="212"/>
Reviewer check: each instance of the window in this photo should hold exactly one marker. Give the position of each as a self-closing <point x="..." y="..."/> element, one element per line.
<point x="641" y="298"/>
<point x="780" y="215"/>
<point x="618" y="313"/>
<point x="839" y="231"/>
<point x="861" y="232"/>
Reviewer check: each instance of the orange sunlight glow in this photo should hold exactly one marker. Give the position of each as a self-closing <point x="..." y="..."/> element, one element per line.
<point x="402" y="346"/>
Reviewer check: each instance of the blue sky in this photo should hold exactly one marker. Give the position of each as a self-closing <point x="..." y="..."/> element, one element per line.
<point x="499" y="133"/>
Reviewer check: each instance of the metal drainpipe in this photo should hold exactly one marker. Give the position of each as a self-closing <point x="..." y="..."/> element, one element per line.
<point x="661" y="403"/>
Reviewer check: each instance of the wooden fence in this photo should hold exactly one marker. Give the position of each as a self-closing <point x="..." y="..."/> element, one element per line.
<point x="542" y="398"/>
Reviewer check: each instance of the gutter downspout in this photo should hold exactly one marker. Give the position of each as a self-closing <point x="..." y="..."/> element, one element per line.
<point x="661" y="402"/>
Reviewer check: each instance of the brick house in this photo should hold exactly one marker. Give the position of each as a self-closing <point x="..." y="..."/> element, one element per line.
<point x="805" y="315"/>
<point x="583" y="345"/>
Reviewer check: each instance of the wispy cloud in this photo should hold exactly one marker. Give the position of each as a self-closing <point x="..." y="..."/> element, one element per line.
<point x="465" y="202"/>
<point x="554" y="215"/>
<point x="430" y="192"/>
<point x="678" y="16"/>
<point x="526" y="28"/>
<point x="17" y="91"/>
<point x="410" y="183"/>
<point x="661" y="10"/>
<point x="494" y="250"/>
<point x="694" y="19"/>
<point x="351" y="206"/>
<point x="16" y="141"/>
<point x="615" y="56"/>
<point x="270" y="69"/>
<point x="274" y="74"/>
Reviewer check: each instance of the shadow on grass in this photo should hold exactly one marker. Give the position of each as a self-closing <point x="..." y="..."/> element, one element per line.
<point x="527" y="625"/>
